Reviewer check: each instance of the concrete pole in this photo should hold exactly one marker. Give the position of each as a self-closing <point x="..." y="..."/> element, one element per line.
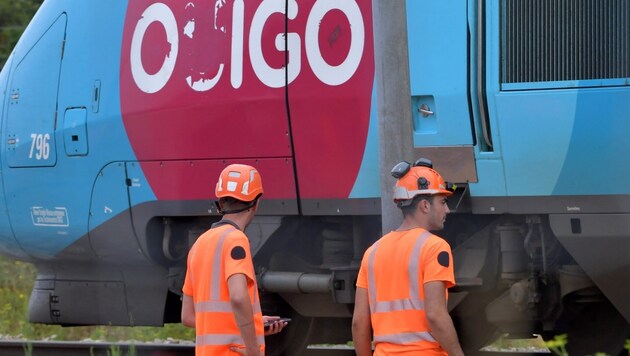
<point x="395" y="127"/>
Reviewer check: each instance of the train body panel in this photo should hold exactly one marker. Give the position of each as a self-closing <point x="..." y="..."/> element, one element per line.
<point x="8" y="243"/>
<point x="56" y="134"/>
<point x="572" y="137"/>
<point x="444" y="93"/>
<point x="118" y="118"/>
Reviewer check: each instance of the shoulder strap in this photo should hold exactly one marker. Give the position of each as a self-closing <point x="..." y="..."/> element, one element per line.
<point x="225" y="222"/>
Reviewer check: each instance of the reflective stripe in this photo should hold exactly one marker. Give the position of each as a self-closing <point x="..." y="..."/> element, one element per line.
<point x="414" y="263"/>
<point x="405" y="338"/>
<point x="221" y="306"/>
<point x="213" y="306"/>
<point x="413" y="302"/>
<point x="215" y="285"/>
<point x="224" y="339"/>
<point x="398" y="304"/>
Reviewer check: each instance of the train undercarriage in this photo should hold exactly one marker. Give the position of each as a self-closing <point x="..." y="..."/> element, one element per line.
<point x="514" y="276"/>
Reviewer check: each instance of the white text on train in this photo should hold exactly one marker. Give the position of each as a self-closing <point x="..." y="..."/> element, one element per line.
<point x="271" y="77"/>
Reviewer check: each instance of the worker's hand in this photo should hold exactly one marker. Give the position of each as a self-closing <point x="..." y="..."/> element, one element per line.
<point x="275" y="324"/>
<point x="244" y="351"/>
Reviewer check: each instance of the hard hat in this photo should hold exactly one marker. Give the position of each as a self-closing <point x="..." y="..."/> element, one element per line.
<point x="239" y="181"/>
<point x="416" y="179"/>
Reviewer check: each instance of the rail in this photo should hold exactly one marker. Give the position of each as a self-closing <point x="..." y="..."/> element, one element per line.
<point x="72" y="348"/>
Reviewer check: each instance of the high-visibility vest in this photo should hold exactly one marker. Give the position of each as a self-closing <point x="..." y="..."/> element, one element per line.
<point x="216" y="255"/>
<point x="394" y="271"/>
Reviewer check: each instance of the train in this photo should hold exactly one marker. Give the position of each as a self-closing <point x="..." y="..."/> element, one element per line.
<point x="118" y="116"/>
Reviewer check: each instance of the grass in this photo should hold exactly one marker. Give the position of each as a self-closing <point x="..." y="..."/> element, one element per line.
<point x="16" y="281"/>
<point x="558" y="346"/>
<point x="506" y="343"/>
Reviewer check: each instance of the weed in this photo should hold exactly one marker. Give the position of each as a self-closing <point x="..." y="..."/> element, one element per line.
<point x="558" y="345"/>
<point x="28" y="349"/>
<point x="114" y="350"/>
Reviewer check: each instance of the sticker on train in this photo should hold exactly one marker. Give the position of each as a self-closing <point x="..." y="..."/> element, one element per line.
<point x="57" y="216"/>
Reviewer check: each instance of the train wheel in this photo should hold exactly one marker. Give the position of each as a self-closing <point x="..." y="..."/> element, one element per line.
<point x="473" y="328"/>
<point x="301" y="331"/>
<point x="474" y="333"/>
<point x="293" y="340"/>
<point x="593" y="328"/>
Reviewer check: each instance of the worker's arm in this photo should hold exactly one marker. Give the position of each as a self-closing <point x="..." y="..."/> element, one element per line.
<point x="188" y="311"/>
<point x="361" y="324"/>
<point x="440" y="321"/>
<point x="243" y="312"/>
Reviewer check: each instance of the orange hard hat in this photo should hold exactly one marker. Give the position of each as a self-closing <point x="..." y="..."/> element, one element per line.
<point x="239" y="181"/>
<point x="419" y="178"/>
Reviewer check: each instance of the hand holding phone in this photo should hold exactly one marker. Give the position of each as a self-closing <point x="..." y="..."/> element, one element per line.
<point x="268" y="323"/>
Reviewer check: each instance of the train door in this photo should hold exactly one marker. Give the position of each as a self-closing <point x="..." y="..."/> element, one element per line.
<point x="7" y="240"/>
<point x="32" y="112"/>
<point x="31" y="120"/>
<point x="438" y="69"/>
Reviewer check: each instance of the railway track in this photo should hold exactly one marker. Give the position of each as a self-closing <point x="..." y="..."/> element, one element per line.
<point x="70" y="348"/>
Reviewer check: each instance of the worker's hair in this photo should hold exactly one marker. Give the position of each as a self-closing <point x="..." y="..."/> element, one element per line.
<point x="232" y="204"/>
<point x="409" y="209"/>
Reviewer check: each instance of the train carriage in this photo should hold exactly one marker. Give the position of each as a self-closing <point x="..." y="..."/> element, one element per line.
<point x="117" y="118"/>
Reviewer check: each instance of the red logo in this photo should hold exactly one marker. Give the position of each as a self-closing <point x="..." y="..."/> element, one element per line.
<point x="232" y="79"/>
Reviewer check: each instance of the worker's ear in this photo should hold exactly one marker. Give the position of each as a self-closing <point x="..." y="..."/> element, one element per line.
<point x="424" y="205"/>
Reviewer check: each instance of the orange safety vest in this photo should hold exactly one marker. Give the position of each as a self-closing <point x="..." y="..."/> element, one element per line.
<point x="218" y="254"/>
<point x="394" y="271"/>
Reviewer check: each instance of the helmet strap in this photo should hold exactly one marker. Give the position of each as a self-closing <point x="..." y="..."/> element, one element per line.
<point x="234" y="211"/>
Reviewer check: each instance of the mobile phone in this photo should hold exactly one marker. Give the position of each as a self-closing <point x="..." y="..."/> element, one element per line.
<point x="270" y="322"/>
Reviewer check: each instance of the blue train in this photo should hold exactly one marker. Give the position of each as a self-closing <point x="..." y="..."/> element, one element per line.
<point x="117" y="117"/>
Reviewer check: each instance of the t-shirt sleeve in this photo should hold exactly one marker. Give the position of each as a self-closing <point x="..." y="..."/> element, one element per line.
<point x="238" y="256"/>
<point x="438" y="262"/>
<point x="362" y="280"/>
<point x="188" y="280"/>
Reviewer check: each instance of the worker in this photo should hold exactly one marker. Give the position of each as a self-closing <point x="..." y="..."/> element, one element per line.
<point x="401" y="295"/>
<point x="220" y="296"/>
